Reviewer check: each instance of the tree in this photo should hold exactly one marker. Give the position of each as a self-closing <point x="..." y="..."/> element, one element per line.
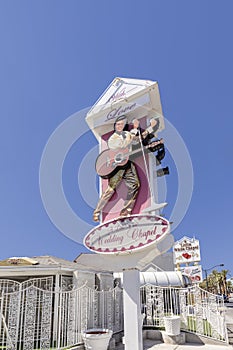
<point x="217" y="282"/>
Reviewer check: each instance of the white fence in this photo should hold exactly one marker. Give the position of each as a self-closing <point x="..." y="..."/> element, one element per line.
<point x="36" y="318"/>
<point x="201" y="312"/>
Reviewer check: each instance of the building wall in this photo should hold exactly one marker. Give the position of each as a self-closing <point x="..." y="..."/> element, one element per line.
<point x="82" y="277"/>
<point x="164" y="262"/>
<point x="104" y="281"/>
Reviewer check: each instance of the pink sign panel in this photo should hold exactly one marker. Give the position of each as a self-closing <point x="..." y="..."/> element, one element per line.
<point x="127" y="234"/>
<point x="114" y="206"/>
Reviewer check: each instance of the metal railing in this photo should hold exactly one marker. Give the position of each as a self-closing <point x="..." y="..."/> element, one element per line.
<point x="201" y="312"/>
<point x="36" y="318"/>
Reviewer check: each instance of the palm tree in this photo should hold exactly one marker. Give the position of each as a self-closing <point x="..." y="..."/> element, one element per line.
<point x="224" y="274"/>
<point x="217" y="282"/>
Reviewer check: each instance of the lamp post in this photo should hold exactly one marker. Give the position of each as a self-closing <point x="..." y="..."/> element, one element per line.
<point x="205" y="270"/>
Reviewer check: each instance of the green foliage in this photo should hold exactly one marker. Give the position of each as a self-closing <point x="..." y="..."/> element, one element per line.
<point x="216" y="282"/>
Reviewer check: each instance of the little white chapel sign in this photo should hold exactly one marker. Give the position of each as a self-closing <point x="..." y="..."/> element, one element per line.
<point x="127" y="234"/>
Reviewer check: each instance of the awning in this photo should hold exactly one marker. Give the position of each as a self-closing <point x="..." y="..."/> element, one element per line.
<point x="160" y="278"/>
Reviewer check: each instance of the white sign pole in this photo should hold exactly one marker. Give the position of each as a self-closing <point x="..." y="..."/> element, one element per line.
<point x="132" y="310"/>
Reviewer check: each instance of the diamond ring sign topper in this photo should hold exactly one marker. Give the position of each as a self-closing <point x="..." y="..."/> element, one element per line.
<point x="127" y="234"/>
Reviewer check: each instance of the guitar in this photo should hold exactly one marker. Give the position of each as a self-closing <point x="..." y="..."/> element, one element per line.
<point x="108" y="161"/>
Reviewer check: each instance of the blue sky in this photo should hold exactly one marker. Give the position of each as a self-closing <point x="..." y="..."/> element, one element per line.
<point x="57" y="57"/>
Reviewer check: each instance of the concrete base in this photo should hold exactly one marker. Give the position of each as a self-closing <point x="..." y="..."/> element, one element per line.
<point x="194" y="338"/>
<point x="152" y="334"/>
<point x="173" y="339"/>
<point x="201" y="339"/>
<point x="152" y="337"/>
<point x="182" y="338"/>
<point x="163" y="337"/>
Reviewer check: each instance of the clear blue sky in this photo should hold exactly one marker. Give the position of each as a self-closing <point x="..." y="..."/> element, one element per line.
<point x="57" y="57"/>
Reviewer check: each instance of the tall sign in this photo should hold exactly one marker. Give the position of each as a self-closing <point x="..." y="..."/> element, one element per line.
<point x="187" y="256"/>
<point x="125" y="119"/>
<point x="186" y="250"/>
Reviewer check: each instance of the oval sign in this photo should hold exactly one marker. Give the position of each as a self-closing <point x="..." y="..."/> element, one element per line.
<point x="126" y="234"/>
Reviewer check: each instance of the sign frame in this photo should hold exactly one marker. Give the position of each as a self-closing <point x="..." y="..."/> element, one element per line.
<point x="132" y="234"/>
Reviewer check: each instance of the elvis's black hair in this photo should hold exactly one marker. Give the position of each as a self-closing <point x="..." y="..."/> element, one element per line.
<point x="122" y="117"/>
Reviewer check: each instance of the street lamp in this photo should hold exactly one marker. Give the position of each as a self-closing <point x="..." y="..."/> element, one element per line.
<point x="205" y="270"/>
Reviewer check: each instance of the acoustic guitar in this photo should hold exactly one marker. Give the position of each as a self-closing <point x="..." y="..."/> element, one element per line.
<point x="109" y="161"/>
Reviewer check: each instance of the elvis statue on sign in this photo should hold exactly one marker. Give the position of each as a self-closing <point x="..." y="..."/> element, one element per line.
<point x="115" y="165"/>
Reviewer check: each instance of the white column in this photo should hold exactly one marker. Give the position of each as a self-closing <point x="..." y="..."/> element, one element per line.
<point x="132" y="310"/>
